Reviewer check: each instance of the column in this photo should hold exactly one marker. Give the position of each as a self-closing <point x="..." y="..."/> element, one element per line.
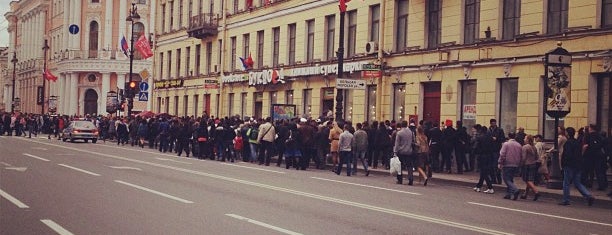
<point x="105" y="89"/>
<point x="73" y="90"/>
<point x="108" y="26"/>
<point x="77" y="20"/>
<point x="65" y="43"/>
<point x="66" y="95"/>
<point x="122" y="23"/>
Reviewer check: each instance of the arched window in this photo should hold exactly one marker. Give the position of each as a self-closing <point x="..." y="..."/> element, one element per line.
<point x="93" y="39"/>
<point x="139" y="30"/>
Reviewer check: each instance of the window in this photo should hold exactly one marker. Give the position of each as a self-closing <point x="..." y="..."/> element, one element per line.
<point x="171" y="15"/>
<point x="557" y="16"/>
<point x="606" y="15"/>
<point x="399" y="102"/>
<point x="161" y="65"/>
<point x="260" y="48"/>
<point x="178" y="63"/>
<point x="348" y="104"/>
<point x="401" y="31"/>
<point x="289" y="97"/>
<point x="169" y="53"/>
<point x="246" y="40"/>
<point x="434" y="17"/>
<point x="508" y="104"/>
<point x="276" y="46"/>
<point x="195" y="104"/>
<point x="159" y="103"/>
<point x="243" y="102"/>
<point x="235" y="6"/>
<point x="352" y="33"/>
<point x="190" y="11"/>
<point x="188" y="61"/>
<point x="163" y="18"/>
<point x="273" y="98"/>
<point x="176" y="102"/>
<point x="141" y="1"/>
<point x="371" y="104"/>
<point x="209" y="57"/>
<point x="512" y="19"/>
<point x="180" y="19"/>
<point x="220" y="51"/>
<point x="233" y="54"/>
<point x="198" y="52"/>
<point x="185" y="105"/>
<point x="307" y="102"/>
<point x="167" y="109"/>
<point x="230" y="103"/>
<point x="468" y="103"/>
<point x="472" y="21"/>
<point x="330" y="25"/>
<point x="374" y="22"/>
<point x="291" y="44"/>
<point x="211" y="10"/>
<point x="95" y="1"/>
<point x="93" y="39"/>
<point x="310" y="40"/>
<point x="604" y="102"/>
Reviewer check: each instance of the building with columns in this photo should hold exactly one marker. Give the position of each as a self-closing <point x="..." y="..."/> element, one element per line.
<point x="83" y="38"/>
<point x="5" y="79"/>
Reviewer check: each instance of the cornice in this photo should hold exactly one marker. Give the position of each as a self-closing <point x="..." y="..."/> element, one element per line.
<point x="102" y="66"/>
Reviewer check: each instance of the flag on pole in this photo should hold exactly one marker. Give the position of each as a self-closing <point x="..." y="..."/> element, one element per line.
<point x="49" y="76"/>
<point x="143" y="47"/>
<point x="243" y="63"/>
<point x="124" y="46"/>
<point x="249" y="61"/>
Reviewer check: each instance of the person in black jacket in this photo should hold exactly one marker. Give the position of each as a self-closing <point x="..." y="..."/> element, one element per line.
<point x="499" y="137"/>
<point x="449" y="141"/>
<point x="482" y="150"/>
<point x="461" y="147"/>
<point x="571" y="161"/>
<point x="435" y="146"/>
<point x="182" y="138"/>
<point x="594" y="159"/>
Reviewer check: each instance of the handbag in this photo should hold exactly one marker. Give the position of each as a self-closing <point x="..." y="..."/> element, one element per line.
<point x="201" y="139"/>
<point x="395" y="165"/>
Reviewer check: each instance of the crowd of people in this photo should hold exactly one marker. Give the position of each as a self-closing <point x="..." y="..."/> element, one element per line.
<point x="424" y="147"/>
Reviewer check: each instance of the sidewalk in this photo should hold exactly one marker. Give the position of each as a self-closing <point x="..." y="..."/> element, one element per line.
<point x="469" y="180"/>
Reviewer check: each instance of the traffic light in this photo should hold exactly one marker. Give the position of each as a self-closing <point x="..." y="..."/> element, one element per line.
<point x="132" y="88"/>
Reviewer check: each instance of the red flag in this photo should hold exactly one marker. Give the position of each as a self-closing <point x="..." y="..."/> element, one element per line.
<point x="249" y="61"/>
<point x="343" y="5"/>
<point x="49" y="76"/>
<point x="143" y="47"/>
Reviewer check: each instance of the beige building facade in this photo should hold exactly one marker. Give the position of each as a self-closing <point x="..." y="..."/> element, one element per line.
<point x="441" y="60"/>
<point x="83" y="39"/>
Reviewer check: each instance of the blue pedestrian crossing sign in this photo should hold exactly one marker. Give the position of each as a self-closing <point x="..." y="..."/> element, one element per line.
<point x="143" y="96"/>
<point x="144" y="86"/>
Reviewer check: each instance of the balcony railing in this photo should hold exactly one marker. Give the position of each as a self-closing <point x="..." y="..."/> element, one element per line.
<point x="203" y="25"/>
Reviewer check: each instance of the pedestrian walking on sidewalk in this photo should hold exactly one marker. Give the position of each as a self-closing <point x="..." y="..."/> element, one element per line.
<point x="360" y="147"/>
<point x="529" y="162"/>
<point x="345" y="144"/>
<point x="509" y="162"/>
<point x="403" y="149"/>
<point x="483" y="149"/>
<point x="422" y="153"/>
<point x="572" y="161"/>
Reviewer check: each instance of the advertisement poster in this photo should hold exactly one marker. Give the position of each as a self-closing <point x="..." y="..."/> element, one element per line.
<point x="52" y="104"/>
<point x="469" y="112"/>
<point x="558" y="88"/>
<point x="283" y="111"/>
<point x="111" y="102"/>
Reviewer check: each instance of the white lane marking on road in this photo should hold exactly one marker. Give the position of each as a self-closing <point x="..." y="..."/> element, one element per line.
<point x="13" y="200"/>
<point x="262" y="224"/>
<point x="5" y="164"/>
<point x="65" y="154"/>
<point x="20" y="169"/>
<point x="253" y="168"/>
<point x="542" y="214"/>
<point x="39" y="148"/>
<point x="125" y="168"/>
<point x="298" y="193"/>
<point x="39" y="158"/>
<point x="367" y="186"/>
<point x="80" y="170"/>
<point x="171" y="160"/>
<point x="56" y="227"/>
<point x="155" y="192"/>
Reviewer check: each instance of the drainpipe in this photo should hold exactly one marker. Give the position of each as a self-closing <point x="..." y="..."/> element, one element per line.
<point x="381" y="54"/>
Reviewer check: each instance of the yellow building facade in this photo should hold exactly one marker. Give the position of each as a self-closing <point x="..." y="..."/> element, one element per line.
<point x="441" y="60"/>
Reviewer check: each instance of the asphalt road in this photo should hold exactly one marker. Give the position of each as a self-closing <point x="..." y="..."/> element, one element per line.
<point x="51" y="187"/>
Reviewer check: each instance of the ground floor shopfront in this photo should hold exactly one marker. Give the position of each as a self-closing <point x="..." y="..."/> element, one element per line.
<point x="511" y="92"/>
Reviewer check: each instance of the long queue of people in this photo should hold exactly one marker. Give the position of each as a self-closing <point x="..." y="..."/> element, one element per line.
<point x="423" y="147"/>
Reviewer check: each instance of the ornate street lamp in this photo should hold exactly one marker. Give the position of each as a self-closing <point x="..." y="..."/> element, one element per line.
<point x="42" y="105"/>
<point x="340" y="55"/>
<point x="14" y="61"/>
<point x="132" y="18"/>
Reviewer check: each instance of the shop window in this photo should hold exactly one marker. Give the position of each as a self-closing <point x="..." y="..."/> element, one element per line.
<point x="549" y="126"/>
<point x="399" y="102"/>
<point x="230" y="104"/>
<point x="327" y="103"/>
<point x="604" y="101"/>
<point x="508" y="104"/>
<point x="289" y="97"/>
<point x="371" y="103"/>
<point x="307" y="102"/>
<point x="468" y="103"/>
<point x="348" y="104"/>
<point x="273" y="98"/>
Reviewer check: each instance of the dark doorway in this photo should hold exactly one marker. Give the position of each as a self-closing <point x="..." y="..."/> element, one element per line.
<point x="431" y="102"/>
<point x="91" y="102"/>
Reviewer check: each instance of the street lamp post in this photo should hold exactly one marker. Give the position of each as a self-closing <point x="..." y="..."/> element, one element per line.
<point x="14" y="61"/>
<point x="340" y="55"/>
<point x="42" y="105"/>
<point x="131" y="18"/>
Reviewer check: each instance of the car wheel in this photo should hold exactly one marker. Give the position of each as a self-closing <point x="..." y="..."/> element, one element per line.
<point x="94" y="140"/>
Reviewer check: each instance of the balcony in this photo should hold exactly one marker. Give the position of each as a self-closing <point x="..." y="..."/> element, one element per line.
<point x="202" y="26"/>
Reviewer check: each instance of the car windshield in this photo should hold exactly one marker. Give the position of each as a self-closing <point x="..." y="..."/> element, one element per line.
<point x="84" y="124"/>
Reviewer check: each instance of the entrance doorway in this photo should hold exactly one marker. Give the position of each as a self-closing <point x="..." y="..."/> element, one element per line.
<point x="431" y="102"/>
<point x="604" y="101"/>
<point x="91" y="102"/>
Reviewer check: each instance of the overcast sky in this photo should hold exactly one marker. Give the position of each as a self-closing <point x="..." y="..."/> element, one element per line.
<point x="4" y="6"/>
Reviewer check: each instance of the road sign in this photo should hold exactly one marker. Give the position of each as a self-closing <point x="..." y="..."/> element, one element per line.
<point x="370" y="67"/>
<point x="371" y="74"/>
<point x="143" y="96"/>
<point x="350" y="84"/>
<point x="144" y="86"/>
<point x="73" y="29"/>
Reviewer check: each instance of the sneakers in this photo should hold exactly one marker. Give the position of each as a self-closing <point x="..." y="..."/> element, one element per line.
<point x="476" y="189"/>
<point x="489" y="191"/>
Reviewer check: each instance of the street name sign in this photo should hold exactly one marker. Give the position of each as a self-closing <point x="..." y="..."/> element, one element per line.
<point x="350" y="84"/>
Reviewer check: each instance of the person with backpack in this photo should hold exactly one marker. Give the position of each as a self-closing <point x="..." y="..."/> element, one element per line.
<point x="253" y="134"/>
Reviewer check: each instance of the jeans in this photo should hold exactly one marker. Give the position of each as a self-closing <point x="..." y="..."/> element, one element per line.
<point x="361" y="155"/>
<point x="253" y="152"/>
<point x="572" y="175"/>
<point x="345" y="157"/>
<point x="508" y="176"/>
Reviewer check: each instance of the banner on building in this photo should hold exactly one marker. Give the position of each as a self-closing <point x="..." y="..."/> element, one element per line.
<point x="174" y="83"/>
<point x="142" y="45"/>
<point x="211" y="84"/>
<point x="40" y="95"/>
